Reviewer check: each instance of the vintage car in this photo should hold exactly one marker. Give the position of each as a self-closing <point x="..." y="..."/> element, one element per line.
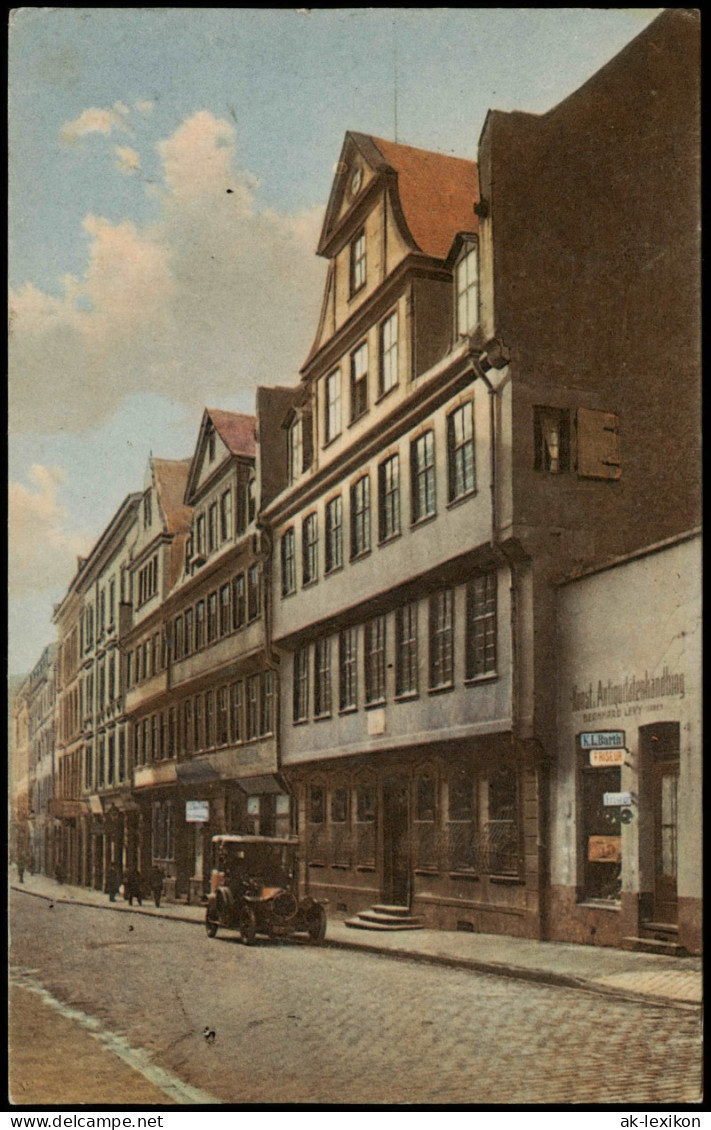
<point x="253" y="889"/>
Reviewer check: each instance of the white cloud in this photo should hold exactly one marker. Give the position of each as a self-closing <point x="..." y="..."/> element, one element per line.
<point x="94" y="120"/>
<point x="127" y="160"/>
<point x="215" y="297"/>
<point x="43" y="551"/>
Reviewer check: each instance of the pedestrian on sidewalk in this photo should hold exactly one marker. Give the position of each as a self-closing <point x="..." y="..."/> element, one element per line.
<point x="113" y="882"/>
<point x="133" y="886"/>
<point x="156" y="884"/>
<point x="59" y="872"/>
<point x="21" y="870"/>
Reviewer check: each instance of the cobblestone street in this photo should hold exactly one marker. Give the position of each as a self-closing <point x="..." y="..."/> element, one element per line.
<point x="299" y="1024"/>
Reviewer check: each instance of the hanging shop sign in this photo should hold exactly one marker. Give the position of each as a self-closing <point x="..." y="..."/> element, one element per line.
<point x="604" y="849"/>
<point x="197" y="811"/>
<point x="603" y="739"/>
<point x="603" y="758"/>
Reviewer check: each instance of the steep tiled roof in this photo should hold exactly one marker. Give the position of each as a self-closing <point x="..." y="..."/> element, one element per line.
<point x="237" y="431"/>
<point x="437" y="194"/>
<point x="171" y="475"/>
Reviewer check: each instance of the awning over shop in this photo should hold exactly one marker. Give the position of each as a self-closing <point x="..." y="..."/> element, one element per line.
<point x="196" y="772"/>
<point x="253" y="786"/>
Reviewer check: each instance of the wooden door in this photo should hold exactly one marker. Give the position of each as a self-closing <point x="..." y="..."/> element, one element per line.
<point x="665" y="790"/>
<point x="396" y="843"/>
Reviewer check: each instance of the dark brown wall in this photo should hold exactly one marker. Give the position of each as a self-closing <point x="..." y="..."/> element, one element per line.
<point x="594" y="212"/>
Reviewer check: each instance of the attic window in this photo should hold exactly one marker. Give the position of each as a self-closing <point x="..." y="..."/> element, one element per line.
<point x="358" y="263"/>
<point x="467" y="282"/>
<point x="295" y="449"/>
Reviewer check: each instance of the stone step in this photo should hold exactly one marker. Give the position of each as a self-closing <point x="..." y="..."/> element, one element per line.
<point x="387" y="919"/>
<point x="400" y="911"/>
<point x="364" y="924"/>
<point x="654" y="945"/>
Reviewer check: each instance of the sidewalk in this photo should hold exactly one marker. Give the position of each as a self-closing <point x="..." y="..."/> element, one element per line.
<point x="634" y="976"/>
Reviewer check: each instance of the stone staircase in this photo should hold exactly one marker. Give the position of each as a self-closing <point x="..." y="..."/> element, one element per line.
<point x="381" y="917"/>
<point x="656" y="938"/>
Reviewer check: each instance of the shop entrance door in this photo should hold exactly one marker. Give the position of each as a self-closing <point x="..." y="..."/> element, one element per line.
<point x="396" y="843"/>
<point x="660" y="743"/>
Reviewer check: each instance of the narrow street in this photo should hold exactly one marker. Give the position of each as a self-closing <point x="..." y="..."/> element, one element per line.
<point x="294" y="1023"/>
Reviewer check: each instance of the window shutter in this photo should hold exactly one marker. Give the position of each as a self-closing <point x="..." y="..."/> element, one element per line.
<point x="598" y="444"/>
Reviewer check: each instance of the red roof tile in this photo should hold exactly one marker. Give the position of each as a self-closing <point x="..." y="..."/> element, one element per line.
<point x="437" y="194"/>
<point x="171" y="476"/>
<point x="237" y="431"/>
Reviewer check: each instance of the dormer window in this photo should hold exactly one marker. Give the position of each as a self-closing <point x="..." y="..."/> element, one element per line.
<point x="147" y="510"/>
<point x="467" y="283"/>
<point x="295" y="449"/>
<point x="358" y="265"/>
<point x="252" y="497"/>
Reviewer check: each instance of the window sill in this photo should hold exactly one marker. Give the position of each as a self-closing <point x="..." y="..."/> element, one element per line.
<point x="390" y="538"/>
<point x="309" y="584"/>
<point x="599" y="904"/>
<point x="333" y="571"/>
<point x="477" y="679"/>
<point x="507" y="880"/>
<point x="441" y="690"/>
<point x="454" y="502"/>
<point x="469" y="876"/>
<point x="316" y="865"/>
<point x="370" y="867"/>
<point x="322" y="717"/>
<point x="341" y="866"/>
<point x="286" y="595"/>
<point x="354" y="293"/>
<point x="384" y="395"/>
<point x="348" y="710"/>
<point x="376" y="704"/>
<point x="407" y="696"/>
<point x="423" y="521"/>
<point x="300" y="722"/>
<point x="431" y="871"/>
<point x="360" y="555"/>
<point x="332" y="440"/>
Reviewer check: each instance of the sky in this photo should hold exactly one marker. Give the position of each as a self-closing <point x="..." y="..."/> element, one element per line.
<point x="169" y="171"/>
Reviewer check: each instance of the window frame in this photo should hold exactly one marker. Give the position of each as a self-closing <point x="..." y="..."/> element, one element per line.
<point x="348" y="670"/>
<point x="359" y="381"/>
<point x="388" y="355"/>
<point x="389" y="498"/>
<point x="462" y="294"/>
<point x="423" y="477"/>
<point x="360" y="517"/>
<point x="332" y="406"/>
<point x="442" y="626"/>
<point x="461" y="468"/>
<point x="481" y="617"/>
<point x="375" y="661"/>
<point x="309" y="549"/>
<point x="358" y="263"/>
<point x="288" y="562"/>
<point x="407" y="650"/>
<point x="323" y="699"/>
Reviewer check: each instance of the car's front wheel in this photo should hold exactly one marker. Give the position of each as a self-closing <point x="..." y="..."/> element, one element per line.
<point x="248" y="926"/>
<point x="316" y="925"/>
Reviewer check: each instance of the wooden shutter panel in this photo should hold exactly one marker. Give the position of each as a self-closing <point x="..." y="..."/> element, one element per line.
<point x="598" y="444"/>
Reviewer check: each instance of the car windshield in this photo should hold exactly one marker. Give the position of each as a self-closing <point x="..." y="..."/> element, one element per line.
<point x="272" y="864"/>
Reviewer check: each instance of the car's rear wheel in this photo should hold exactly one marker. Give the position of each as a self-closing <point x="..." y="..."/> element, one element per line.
<point x="316" y="925"/>
<point x="210" y="926"/>
<point x="247" y="926"/>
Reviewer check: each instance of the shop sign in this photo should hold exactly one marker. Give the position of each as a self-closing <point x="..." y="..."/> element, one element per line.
<point x="602" y="739"/>
<point x="197" y="811"/>
<point x="604" y="849"/>
<point x="602" y="758"/>
<point x="621" y="800"/>
<point x="253" y="806"/>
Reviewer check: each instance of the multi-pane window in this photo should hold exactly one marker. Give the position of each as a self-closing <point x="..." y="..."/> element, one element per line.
<point x="481" y="626"/>
<point x="288" y="562"/>
<point x="406" y="650"/>
<point x="374" y="646"/>
<point x="251" y="497"/>
<point x="460" y="452"/>
<point x="388" y="354"/>
<point x="212" y="528"/>
<point x="425" y="823"/>
<point x="359" y="381"/>
<point x="502" y="824"/>
<point x="170" y="749"/>
<point x="422" y="473"/>
<point x="332" y="406"/>
<point x="295" y="449"/>
<point x="309" y="549"/>
<point x="237" y="711"/>
<point x="198" y="722"/>
<point x="334" y="534"/>
<point x="467" y="280"/>
<point x="226" y="516"/>
<point x="301" y="685"/>
<point x="322" y="678"/>
<point x="360" y="516"/>
<point x="223" y="717"/>
<point x="252" y="727"/>
<point x="199" y="624"/>
<point x="212" y="617"/>
<point x="461" y="813"/>
<point x="389" y="498"/>
<point x="254" y="592"/>
<point x="239" y="607"/>
<point x="358" y="262"/>
<point x="178" y="637"/>
<point x="348" y="669"/>
<point x="442" y="639"/>
<point x="188" y="726"/>
<point x="266" y="723"/>
<point x="225" y="609"/>
<point x="200" y="535"/>
<point x="188" y="636"/>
